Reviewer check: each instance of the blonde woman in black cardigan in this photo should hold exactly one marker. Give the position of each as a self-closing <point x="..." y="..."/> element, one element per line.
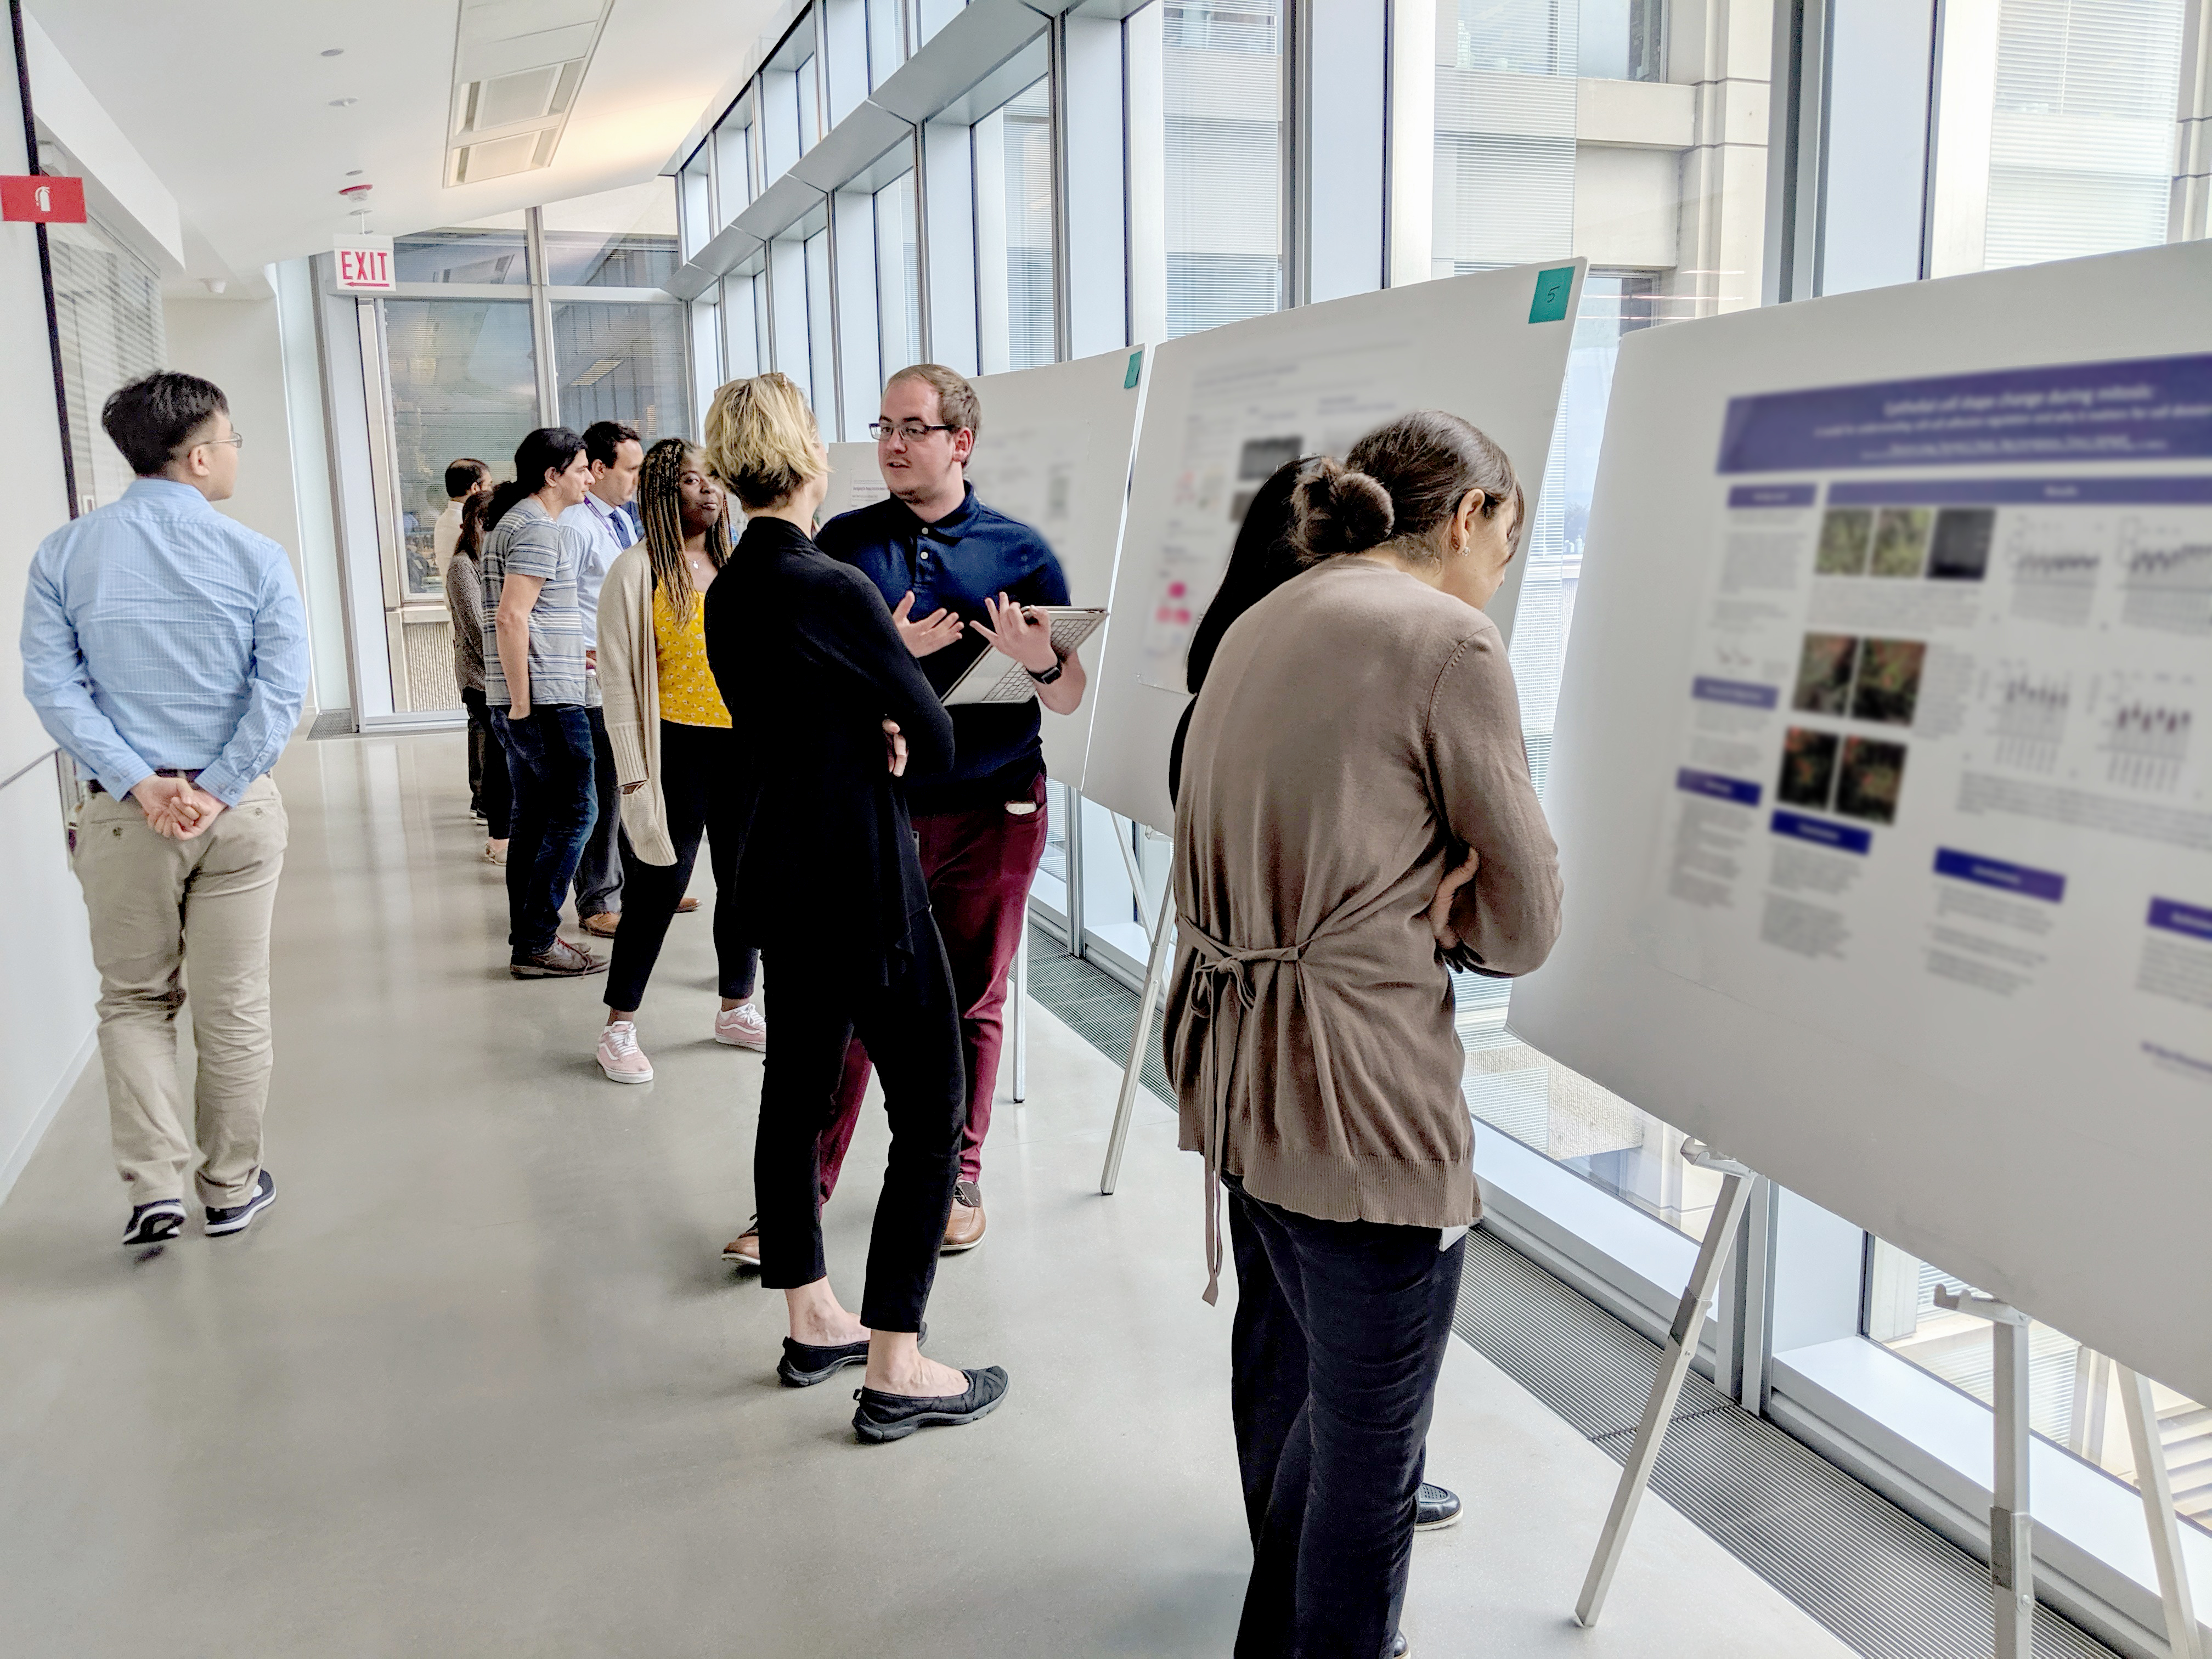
<point x="681" y="761"/>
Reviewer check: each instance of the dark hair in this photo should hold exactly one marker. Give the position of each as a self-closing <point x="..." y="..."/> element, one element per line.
<point x="603" y="438"/>
<point x="548" y="449"/>
<point x="469" y="542"/>
<point x="150" y="418"/>
<point x="660" y="510"/>
<point x="1264" y="558"/>
<point x="1400" y="483"/>
<point x="464" y="476"/>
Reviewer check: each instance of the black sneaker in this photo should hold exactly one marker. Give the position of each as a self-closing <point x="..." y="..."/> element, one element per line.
<point x="240" y="1217"/>
<point x="894" y="1416"/>
<point x="803" y="1364"/>
<point x="1399" y="1648"/>
<point x="151" y="1224"/>
<point x="1437" y="1508"/>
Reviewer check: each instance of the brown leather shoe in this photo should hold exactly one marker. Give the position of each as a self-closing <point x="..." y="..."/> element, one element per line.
<point x="603" y="925"/>
<point x="743" y="1250"/>
<point x="963" y="1228"/>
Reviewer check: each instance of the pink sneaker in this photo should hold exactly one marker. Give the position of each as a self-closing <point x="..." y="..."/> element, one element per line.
<point x="741" y="1027"/>
<point x="620" y="1057"/>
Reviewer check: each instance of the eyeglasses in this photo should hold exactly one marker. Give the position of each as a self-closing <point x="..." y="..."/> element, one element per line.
<point x="236" y="441"/>
<point x="913" y="431"/>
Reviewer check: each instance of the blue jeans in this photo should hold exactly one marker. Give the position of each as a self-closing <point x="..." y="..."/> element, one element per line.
<point x="1341" y="1327"/>
<point x="549" y="755"/>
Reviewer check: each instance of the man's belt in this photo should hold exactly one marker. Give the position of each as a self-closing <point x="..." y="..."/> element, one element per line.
<point x="189" y="775"/>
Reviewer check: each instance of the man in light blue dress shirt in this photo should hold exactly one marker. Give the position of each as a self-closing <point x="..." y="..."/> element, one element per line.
<point x="166" y="651"/>
<point x="616" y="454"/>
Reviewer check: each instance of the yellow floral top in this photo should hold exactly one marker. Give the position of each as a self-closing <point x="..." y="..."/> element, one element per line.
<point x="689" y="695"/>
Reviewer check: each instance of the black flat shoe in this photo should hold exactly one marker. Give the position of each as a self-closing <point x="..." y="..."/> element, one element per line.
<point x="803" y="1365"/>
<point x="1399" y="1647"/>
<point x="1438" y="1507"/>
<point x="894" y="1416"/>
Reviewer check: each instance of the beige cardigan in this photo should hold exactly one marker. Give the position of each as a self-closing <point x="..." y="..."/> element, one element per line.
<point x="1357" y="729"/>
<point x="630" y="684"/>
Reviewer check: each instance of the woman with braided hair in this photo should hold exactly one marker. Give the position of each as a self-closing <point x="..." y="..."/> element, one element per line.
<point x="682" y="765"/>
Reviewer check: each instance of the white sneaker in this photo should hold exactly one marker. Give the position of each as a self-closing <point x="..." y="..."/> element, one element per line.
<point x="741" y="1027"/>
<point x="620" y="1057"/>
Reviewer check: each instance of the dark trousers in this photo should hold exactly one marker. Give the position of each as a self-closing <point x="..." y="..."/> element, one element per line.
<point x="1339" y="1335"/>
<point x="706" y="787"/>
<point x="912" y="1023"/>
<point x="489" y="791"/>
<point x="980" y="865"/>
<point x="599" y="865"/>
<point x="549" y="756"/>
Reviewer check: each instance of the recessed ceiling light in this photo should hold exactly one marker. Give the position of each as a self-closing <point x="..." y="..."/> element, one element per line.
<point x="343" y="103"/>
<point x="354" y="172"/>
<point x="333" y="51"/>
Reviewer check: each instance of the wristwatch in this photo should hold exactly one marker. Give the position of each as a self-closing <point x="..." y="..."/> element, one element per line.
<point x="1059" y="667"/>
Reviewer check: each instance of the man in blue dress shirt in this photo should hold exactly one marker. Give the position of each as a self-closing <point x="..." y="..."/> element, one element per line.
<point x="166" y="651"/>
<point x="950" y="568"/>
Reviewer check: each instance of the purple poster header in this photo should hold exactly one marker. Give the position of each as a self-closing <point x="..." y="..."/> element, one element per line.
<point x="2149" y="408"/>
<point x="1999" y="492"/>
<point x="2022" y="878"/>
<point x="1693" y="782"/>
<point x="1844" y="837"/>
<point x="1747" y="694"/>
<point x="1799" y="495"/>
<point x="2193" y="920"/>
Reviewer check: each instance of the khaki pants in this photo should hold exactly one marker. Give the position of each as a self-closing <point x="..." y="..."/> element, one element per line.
<point x="160" y="908"/>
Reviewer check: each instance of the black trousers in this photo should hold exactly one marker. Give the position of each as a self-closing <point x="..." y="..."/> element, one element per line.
<point x="912" y="1030"/>
<point x="706" y="787"/>
<point x="1340" y="1332"/>
<point x="489" y="790"/>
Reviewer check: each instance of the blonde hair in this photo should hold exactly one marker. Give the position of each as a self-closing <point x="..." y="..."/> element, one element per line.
<point x="761" y="438"/>
<point x="957" y="405"/>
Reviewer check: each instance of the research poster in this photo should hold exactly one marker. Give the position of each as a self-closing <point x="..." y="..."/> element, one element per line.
<point x="1228" y="406"/>
<point x="1883" y="780"/>
<point x="1941" y="781"/>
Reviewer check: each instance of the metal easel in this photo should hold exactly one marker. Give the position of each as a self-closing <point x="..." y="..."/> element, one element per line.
<point x="2012" y="1528"/>
<point x="1162" y="935"/>
<point x="1674" y="1358"/>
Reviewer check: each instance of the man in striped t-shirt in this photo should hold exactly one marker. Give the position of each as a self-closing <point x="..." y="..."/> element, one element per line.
<point x="534" y="683"/>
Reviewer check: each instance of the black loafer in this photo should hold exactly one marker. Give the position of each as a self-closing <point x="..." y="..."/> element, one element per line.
<point x="894" y="1416"/>
<point x="803" y="1365"/>
<point x="1399" y="1647"/>
<point x="1437" y="1507"/>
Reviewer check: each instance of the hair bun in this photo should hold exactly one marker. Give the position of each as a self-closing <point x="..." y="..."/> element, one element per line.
<point x="1342" y="511"/>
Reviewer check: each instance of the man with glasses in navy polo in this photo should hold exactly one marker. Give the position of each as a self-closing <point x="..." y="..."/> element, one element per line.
<point x="950" y="567"/>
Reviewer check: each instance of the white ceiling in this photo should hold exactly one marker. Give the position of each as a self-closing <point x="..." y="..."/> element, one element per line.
<point x="231" y="105"/>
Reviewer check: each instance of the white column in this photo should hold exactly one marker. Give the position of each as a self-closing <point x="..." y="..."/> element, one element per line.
<point x="1965" y="106"/>
<point x="1145" y="92"/>
<point x="1094" y="208"/>
<point x="1723" y="49"/>
<point x="1411" y="190"/>
<point x="1341" y="146"/>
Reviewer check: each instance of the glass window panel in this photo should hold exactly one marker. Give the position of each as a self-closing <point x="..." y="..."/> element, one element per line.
<point x="741" y="323"/>
<point x="1223" y="75"/>
<point x="1505" y="133"/>
<point x="733" y="170"/>
<point x="617" y="239"/>
<point x="1622" y="40"/>
<point x="898" y="275"/>
<point x="621" y="362"/>
<point x="820" y="348"/>
<point x="887" y="43"/>
<point x="107" y="313"/>
<point x="1013" y="233"/>
<point x="810" y="104"/>
<point x="2073" y="1400"/>
<point x="2082" y="132"/>
<point x="464" y="383"/>
<point x="695" y="203"/>
<point x="1049" y="890"/>
<point x="486" y="251"/>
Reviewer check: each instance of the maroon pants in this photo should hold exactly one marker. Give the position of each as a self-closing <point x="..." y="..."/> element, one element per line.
<point x="979" y="865"/>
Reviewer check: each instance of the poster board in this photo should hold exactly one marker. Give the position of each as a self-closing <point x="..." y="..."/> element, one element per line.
<point x="1883" y="779"/>
<point x="1227" y="406"/>
<point x="1053" y="451"/>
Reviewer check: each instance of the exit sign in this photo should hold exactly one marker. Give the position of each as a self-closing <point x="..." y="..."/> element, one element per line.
<point x="364" y="262"/>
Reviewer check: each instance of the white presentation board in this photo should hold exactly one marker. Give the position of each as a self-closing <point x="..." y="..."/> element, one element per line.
<point x="1882" y="777"/>
<point x="1054" y="452"/>
<point x="1228" y="406"/>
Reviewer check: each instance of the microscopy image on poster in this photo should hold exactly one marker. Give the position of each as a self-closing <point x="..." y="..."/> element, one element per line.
<point x="1961" y="550"/>
<point x="1824" y="674"/>
<point x="1846" y="537"/>
<point x="1901" y="540"/>
<point x="1887" y="687"/>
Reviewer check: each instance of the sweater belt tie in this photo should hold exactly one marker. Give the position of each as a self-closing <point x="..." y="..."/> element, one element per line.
<point x="1221" y="992"/>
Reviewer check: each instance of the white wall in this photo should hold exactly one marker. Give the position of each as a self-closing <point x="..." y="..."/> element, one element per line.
<point x="47" y="983"/>
<point x="234" y="344"/>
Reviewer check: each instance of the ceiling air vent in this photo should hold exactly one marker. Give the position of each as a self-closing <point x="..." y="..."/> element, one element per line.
<point x="517" y="67"/>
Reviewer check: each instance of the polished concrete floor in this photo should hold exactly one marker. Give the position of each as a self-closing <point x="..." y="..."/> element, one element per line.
<point x="479" y="1384"/>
